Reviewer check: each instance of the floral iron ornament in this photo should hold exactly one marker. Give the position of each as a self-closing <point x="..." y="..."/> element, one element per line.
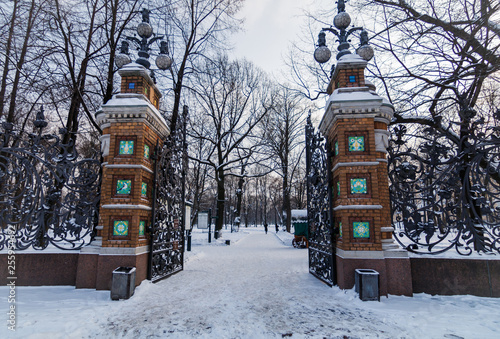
<point x="49" y="194"/>
<point x="319" y="207"/>
<point x="443" y="196"/>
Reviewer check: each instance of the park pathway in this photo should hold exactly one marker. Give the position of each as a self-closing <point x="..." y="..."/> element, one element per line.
<point x="255" y="288"/>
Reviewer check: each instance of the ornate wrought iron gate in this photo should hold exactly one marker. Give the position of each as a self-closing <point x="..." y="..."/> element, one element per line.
<point x="49" y="194"/>
<point x="319" y="207"/>
<point x="166" y="255"/>
<point x="445" y="193"/>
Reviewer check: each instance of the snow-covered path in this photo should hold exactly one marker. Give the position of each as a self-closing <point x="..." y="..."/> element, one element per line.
<point x="257" y="287"/>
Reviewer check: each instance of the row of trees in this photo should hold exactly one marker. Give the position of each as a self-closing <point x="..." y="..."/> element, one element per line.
<point x="244" y="127"/>
<point x="60" y="54"/>
<point x="259" y="201"/>
<point x="436" y="60"/>
<point x="433" y="59"/>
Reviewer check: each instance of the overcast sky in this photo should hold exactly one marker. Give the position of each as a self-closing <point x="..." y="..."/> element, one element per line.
<point x="270" y="26"/>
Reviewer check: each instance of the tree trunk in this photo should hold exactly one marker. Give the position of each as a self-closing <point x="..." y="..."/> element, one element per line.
<point x="3" y="85"/>
<point x="20" y="63"/>
<point x="239" y="195"/>
<point x="221" y="197"/>
<point x="286" y="197"/>
<point x="112" y="47"/>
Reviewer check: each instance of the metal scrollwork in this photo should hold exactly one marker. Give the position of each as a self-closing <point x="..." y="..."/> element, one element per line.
<point x="447" y="197"/>
<point x="167" y="231"/>
<point x="319" y="208"/>
<point x="49" y="194"/>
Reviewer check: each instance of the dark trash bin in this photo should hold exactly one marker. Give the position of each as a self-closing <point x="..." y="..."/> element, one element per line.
<point x="366" y="282"/>
<point x="123" y="283"/>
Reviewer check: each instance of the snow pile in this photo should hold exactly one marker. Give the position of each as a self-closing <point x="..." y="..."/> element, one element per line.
<point x="285" y="237"/>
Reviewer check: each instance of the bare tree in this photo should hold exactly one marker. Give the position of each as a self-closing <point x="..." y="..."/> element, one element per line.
<point x="234" y="96"/>
<point x="84" y="35"/>
<point x="194" y="29"/>
<point x="444" y="60"/>
<point x="283" y="131"/>
<point x="442" y="50"/>
<point x="197" y="187"/>
<point x="20" y="51"/>
<point x="299" y="185"/>
<point x="60" y="54"/>
<point x="116" y="16"/>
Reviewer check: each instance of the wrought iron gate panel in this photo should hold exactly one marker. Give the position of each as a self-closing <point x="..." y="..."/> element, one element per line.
<point x="49" y="194"/>
<point x="319" y="207"/>
<point x="446" y="195"/>
<point x="166" y="255"/>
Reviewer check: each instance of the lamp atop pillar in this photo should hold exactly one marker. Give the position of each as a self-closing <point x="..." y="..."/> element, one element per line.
<point x="342" y="21"/>
<point x="145" y="31"/>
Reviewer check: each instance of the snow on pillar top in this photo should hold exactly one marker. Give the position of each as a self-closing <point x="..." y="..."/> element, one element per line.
<point x="138" y="101"/>
<point x="349" y="72"/>
<point x="136" y="79"/>
<point x="351" y="96"/>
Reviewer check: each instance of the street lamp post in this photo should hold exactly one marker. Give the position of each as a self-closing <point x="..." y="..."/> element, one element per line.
<point x="342" y="21"/>
<point x="145" y="31"/>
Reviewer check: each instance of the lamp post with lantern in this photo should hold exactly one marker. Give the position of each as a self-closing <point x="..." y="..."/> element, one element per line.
<point x="147" y="38"/>
<point x="342" y="21"/>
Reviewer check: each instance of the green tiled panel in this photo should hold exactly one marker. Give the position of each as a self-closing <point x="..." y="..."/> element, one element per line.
<point x="144" y="190"/>
<point x="146" y="151"/>
<point x="123" y="186"/>
<point x="142" y="227"/>
<point x="120" y="227"/>
<point x="336" y="148"/>
<point x="356" y="144"/>
<point x="359" y="186"/>
<point x="361" y="229"/>
<point x="126" y="147"/>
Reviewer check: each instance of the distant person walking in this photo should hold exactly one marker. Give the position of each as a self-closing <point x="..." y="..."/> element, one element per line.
<point x="277" y="228"/>
<point x="265" y="227"/>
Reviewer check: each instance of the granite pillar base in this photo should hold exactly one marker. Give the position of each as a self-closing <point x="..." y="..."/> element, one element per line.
<point x="394" y="272"/>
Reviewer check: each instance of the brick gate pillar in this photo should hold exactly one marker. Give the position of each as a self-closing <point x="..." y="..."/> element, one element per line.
<point x="355" y="123"/>
<point x="131" y="125"/>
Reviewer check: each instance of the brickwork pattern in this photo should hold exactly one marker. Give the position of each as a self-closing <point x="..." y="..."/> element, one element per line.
<point x="143" y="135"/>
<point x="140" y="170"/>
<point x="141" y="86"/>
<point x="343" y="79"/>
<point x="376" y="178"/>
<point x="367" y="204"/>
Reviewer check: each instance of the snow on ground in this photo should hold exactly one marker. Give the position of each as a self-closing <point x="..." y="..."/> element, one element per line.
<point x="257" y="287"/>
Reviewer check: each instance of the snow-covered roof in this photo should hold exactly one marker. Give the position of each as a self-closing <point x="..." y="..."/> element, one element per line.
<point x="351" y="60"/>
<point x="354" y="94"/>
<point x="299" y="214"/>
<point x="133" y="68"/>
<point x="360" y="101"/>
<point x="127" y="104"/>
